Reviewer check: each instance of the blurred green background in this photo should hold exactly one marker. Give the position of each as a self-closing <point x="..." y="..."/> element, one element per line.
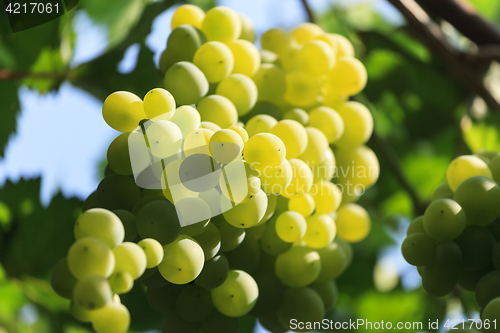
<point x="53" y="79"/>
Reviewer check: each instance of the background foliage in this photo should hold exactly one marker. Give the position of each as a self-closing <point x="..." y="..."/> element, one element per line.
<point x="423" y="116"/>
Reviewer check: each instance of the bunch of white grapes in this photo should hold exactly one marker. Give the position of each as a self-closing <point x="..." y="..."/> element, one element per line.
<point x="456" y="240"/>
<point x="216" y="218"/>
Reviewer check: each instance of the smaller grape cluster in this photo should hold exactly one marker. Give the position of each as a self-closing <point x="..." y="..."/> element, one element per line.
<point x="456" y="241"/>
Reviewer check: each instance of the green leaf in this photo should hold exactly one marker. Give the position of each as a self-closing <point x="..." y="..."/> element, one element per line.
<point x="49" y="61"/>
<point x="482" y="135"/>
<point x="10" y="108"/>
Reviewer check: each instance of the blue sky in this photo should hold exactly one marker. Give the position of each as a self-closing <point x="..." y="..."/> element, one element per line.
<point x="62" y="137"/>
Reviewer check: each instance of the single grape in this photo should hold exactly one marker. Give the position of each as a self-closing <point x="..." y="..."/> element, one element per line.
<point x="298" y="115"/>
<point x="488" y="288"/>
<point x="121" y="282"/>
<point x="328" y="121"/>
<point x="348" y="76"/>
<point x="271" y="243"/>
<point x="90" y="256"/>
<point x="317" y="144"/>
<point x="131" y="258"/>
<point x="230" y="236"/>
<point x="219" y="110"/>
<point x="113" y="318"/>
<point x="244" y="215"/>
<point x="92" y="292"/>
<point x="209" y="240"/>
<point x="240" y="90"/>
<point x="327" y="197"/>
<point x="214" y="273"/>
<point x="246" y="256"/>
<point x="123" y="111"/>
<point x="241" y="131"/>
<point x="301" y="304"/>
<point x="237" y="295"/>
<point x="324" y="170"/>
<point x="261" y="123"/>
<point x="221" y="24"/>
<point x="302" y="203"/>
<point x="159" y="104"/>
<point x="186" y="83"/>
<point x="358" y="124"/>
<point x="187" y="119"/>
<point x="153" y="250"/>
<point x="246" y="57"/>
<point x="302" y="179"/>
<point x="477" y="246"/>
<point x="215" y="60"/>
<point x="334" y="260"/>
<point x="293" y="135"/>
<point x="271" y="292"/>
<point x="62" y="280"/>
<point x="417" y="225"/>
<point x="443" y="191"/>
<point x="275" y="179"/>
<point x="118" y="155"/>
<point x="271" y="82"/>
<point x="357" y="170"/>
<point x="321" y="231"/>
<point x="418" y="249"/>
<point x="225" y="146"/>
<point x="316" y="57"/>
<point x="291" y="226"/>
<point x="302" y="89"/>
<point x="193" y="304"/>
<point x="444" y="220"/>
<point x="298" y="267"/>
<point x="101" y="224"/>
<point x="264" y="150"/>
<point x="197" y="142"/>
<point x="306" y="32"/>
<point x="464" y="167"/>
<point x="188" y="14"/>
<point x="353" y="222"/>
<point x="276" y="40"/>
<point x="158" y="220"/>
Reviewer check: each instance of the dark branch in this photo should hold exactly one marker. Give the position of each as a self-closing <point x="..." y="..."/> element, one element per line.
<point x="465" y="19"/>
<point x="431" y="34"/>
<point x="310" y="16"/>
<point x="6" y="75"/>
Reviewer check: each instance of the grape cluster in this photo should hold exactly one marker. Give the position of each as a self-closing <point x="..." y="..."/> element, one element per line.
<point x="456" y="240"/>
<point x="217" y="218"/>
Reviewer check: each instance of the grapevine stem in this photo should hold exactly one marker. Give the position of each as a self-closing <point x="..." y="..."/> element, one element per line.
<point x="7" y="75"/>
<point x="310" y="16"/>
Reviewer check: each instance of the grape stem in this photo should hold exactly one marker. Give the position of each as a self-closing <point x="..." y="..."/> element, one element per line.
<point x="310" y="15"/>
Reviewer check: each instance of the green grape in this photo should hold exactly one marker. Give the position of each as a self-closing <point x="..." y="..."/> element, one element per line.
<point x="298" y="115"/>
<point x="358" y="169"/>
<point x="130" y="257"/>
<point x="418" y="249"/>
<point x="264" y="150"/>
<point x="121" y="282"/>
<point x="275" y="179"/>
<point x="491" y="313"/>
<point x="183" y="260"/>
<point x="221" y="24"/>
<point x="101" y="224"/>
<point x="353" y="222"/>
<point x="438" y="281"/>
<point x="212" y="198"/>
<point x="262" y="108"/>
<point x="328" y="292"/>
<point x="138" y="152"/>
<point x="210" y="125"/>
<point x="495" y="257"/>
<point x="173" y="323"/>
<point x="193" y="304"/>
<point x="306" y="32"/>
<point x="237" y="295"/>
<point x="241" y="131"/>
<point x="464" y="167"/>
<point x="182" y="44"/>
<point x="417" y="225"/>
<point x="92" y="292"/>
<point x="334" y="261"/>
<point x="444" y="220"/>
<point x="172" y="186"/>
<point x="448" y="255"/>
<point x="291" y="226"/>
<point x="317" y="144"/>
<point x="479" y="197"/>
<point x="129" y="224"/>
<point x="246" y="256"/>
<point x="271" y="83"/>
<point x="271" y="208"/>
<point x="157" y="220"/>
<point x="246" y="57"/>
<point x="488" y="288"/>
<point x="123" y="111"/>
<point x="327" y="121"/>
<point x="443" y="191"/>
<point x="324" y="170"/>
<point x="290" y="60"/>
<point x="347" y="248"/>
<point x="159" y="104"/>
<point x="219" y="110"/>
<point x="316" y="58"/>
<point x="194" y="215"/>
<point x="270" y="293"/>
<point x="244" y="215"/>
<point x="118" y="155"/>
<point x="358" y="124"/>
<point x="261" y="123"/>
<point x="327" y="197"/>
<point x="117" y="192"/>
<point x="226" y="145"/>
<point x="298" y="267"/>
<point x="209" y="240"/>
<point x="332" y="98"/>
<point x="271" y="322"/>
<point x="187" y="119"/>
<point x="198" y="172"/>
<point x="79" y="313"/>
<point x="217" y="323"/>
<point x="271" y="243"/>
<point x="477" y="246"/>
<point x="277" y="41"/>
<point x="215" y="60"/>
<point x="247" y="30"/>
<point x="90" y="256"/>
<point x="214" y="272"/>
<point x="293" y="135"/>
<point x="164" y="137"/>
<point x="268" y="57"/>
<point x="302" y="89"/>
<point x="302" y="203"/>
<point x="197" y="142"/>
<point x="153" y="250"/>
<point x="62" y="280"/>
<point x="348" y="76"/>
<point x="469" y="279"/>
<point x="494" y="167"/>
<point x="240" y="90"/>
<point x="302" y="179"/>
<point x="163" y="299"/>
<point x="113" y="318"/>
<point x="302" y="304"/>
<point x="143" y="202"/>
<point x="344" y="46"/>
<point x="320" y="232"/>
<point x="186" y="83"/>
<point x="154" y="279"/>
<point x="258" y="230"/>
<point x="188" y="14"/>
<point x="230" y="236"/>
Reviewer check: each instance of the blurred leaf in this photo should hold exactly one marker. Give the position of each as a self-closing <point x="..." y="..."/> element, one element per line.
<point x="10" y="108"/>
<point x="49" y="61"/>
<point x="40" y="236"/>
<point x="487" y="8"/>
<point x="11" y="301"/>
<point x="40" y="292"/>
<point x="398" y="203"/>
<point x="482" y="135"/>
